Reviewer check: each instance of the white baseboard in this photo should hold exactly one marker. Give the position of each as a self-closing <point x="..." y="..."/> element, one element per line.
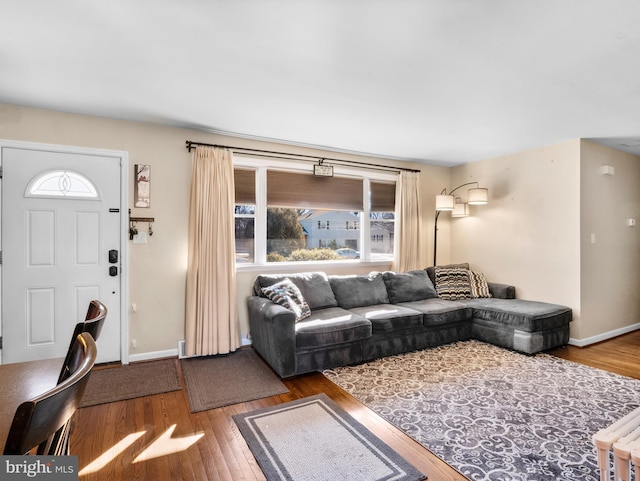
<point x="604" y="336"/>
<point x="148" y="356"/>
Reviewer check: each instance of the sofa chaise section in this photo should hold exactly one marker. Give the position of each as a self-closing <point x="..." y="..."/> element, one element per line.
<point x="525" y="326"/>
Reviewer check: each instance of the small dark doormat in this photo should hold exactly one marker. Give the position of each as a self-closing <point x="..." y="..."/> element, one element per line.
<point x="131" y="381"/>
<point x="314" y="438"/>
<point x="216" y="381"/>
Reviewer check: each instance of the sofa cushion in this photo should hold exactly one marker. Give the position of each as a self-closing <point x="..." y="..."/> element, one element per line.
<point x="502" y="291"/>
<point x="408" y="286"/>
<point x="520" y="314"/>
<point x="358" y="291"/>
<point x="437" y="312"/>
<point x="330" y="326"/>
<point x="389" y="317"/>
<point x="314" y="287"/>
<point x="479" y="285"/>
<point x="287" y="294"/>
<point x="452" y="283"/>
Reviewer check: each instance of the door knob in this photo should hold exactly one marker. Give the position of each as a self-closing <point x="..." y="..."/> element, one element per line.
<point x="113" y="271"/>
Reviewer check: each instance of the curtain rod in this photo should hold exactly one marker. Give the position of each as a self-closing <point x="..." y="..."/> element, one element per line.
<point x="307" y="158"/>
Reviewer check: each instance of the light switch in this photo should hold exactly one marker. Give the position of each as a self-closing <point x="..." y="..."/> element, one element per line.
<point x="631" y="222"/>
<point x="607" y="170"/>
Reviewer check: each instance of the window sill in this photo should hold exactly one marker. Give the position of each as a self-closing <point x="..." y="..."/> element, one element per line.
<point x="276" y="267"/>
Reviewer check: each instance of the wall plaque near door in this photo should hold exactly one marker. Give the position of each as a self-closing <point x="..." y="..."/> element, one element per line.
<point x="142" y="185"/>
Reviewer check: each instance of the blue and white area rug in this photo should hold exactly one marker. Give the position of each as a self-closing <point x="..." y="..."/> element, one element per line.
<point x="494" y="414"/>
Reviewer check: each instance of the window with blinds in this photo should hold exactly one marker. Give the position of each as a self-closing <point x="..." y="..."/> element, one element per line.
<point x="311" y="218"/>
<point x="245" y="215"/>
<point x="382" y="218"/>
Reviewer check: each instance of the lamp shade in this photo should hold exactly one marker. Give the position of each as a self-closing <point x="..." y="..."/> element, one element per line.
<point x="444" y="202"/>
<point x="478" y="196"/>
<point x="460" y="209"/>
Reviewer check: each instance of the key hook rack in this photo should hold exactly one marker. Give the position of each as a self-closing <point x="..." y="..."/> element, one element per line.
<point x="133" y="225"/>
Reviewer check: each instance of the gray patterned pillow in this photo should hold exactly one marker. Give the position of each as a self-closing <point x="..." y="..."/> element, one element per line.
<point x="287" y="294"/>
<point x="452" y="283"/>
<point x="479" y="285"/>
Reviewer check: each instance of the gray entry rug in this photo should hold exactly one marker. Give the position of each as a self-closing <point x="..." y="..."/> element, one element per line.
<point x="495" y="414"/>
<point x="217" y="381"/>
<point x="313" y="439"/>
<point x="130" y="381"/>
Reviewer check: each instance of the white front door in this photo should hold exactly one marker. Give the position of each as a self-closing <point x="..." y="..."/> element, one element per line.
<point x="61" y="217"/>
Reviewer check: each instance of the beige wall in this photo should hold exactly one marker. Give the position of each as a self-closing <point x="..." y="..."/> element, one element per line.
<point x="157" y="270"/>
<point x="529" y="233"/>
<point x="536" y="232"/>
<point x="610" y="277"/>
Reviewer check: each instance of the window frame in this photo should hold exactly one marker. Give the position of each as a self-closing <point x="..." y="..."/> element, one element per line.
<point x="261" y="164"/>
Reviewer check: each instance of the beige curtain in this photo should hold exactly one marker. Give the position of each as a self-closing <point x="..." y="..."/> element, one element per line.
<point x="211" y="310"/>
<point x="408" y="204"/>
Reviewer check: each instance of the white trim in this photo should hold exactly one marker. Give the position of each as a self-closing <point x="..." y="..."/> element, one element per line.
<point x="304" y="266"/>
<point x="150" y="356"/>
<point x="124" y="227"/>
<point x="124" y="257"/>
<point x="604" y="336"/>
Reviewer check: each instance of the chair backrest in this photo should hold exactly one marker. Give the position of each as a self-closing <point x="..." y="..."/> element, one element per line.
<point x="96" y="315"/>
<point x="41" y="420"/>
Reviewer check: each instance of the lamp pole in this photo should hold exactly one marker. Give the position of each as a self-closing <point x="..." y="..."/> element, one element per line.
<point x="435" y="238"/>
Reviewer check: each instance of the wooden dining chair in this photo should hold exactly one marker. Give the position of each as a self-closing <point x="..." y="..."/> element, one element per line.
<point x="96" y="315"/>
<point x="42" y="424"/>
<point x="93" y="321"/>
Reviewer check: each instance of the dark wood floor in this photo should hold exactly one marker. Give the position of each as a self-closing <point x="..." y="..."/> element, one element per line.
<point x="157" y="438"/>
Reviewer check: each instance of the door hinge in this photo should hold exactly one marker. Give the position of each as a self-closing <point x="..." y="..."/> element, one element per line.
<point x="0" y="342"/>
<point x="0" y="258"/>
<point x="1" y="171"/>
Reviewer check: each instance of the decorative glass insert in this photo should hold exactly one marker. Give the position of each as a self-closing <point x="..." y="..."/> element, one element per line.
<point x="61" y="183"/>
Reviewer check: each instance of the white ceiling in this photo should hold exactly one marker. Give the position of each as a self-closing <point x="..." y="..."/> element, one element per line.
<point x="437" y="81"/>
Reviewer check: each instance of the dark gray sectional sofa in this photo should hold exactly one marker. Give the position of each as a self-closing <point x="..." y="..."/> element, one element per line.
<point x="363" y="317"/>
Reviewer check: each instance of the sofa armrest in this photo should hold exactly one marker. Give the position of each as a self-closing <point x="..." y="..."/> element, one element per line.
<point x="502" y="291"/>
<point x="273" y="334"/>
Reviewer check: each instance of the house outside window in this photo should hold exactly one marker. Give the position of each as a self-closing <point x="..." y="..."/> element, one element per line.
<point x="285" y="214"/>
<point x="352" y="225"/>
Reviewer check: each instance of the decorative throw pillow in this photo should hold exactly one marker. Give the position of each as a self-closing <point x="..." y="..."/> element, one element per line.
<point x="408" y="286"/>
<point x="432" y="270"/>
<point x="452" y="283"/>
<point x="287" y="294"/>
<point x="479" y="285"/>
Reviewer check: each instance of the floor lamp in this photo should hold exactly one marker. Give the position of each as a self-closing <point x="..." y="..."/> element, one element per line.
<point x="448" y="202"/>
